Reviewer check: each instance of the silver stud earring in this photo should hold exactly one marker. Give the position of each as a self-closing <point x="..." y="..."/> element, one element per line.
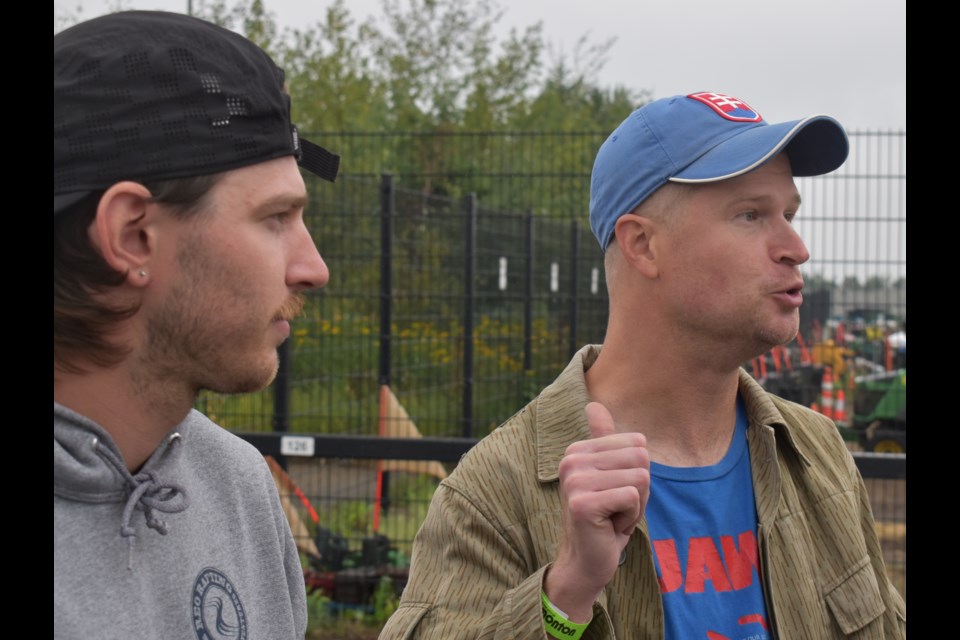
<point x="143" y="274"/>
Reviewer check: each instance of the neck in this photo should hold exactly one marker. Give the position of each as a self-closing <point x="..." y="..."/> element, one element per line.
<point x="685" y="405"/>
<point x="137" y="413"/>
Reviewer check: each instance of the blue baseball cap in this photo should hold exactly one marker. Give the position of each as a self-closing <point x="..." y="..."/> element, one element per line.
<point x="701" y="137"/>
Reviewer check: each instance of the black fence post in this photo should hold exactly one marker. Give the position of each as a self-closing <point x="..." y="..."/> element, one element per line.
<point x="387" y="206"/>
<point x="387" y="210"/>
<point x="574" y="284"/>
<point x="470" y="291"/>
<point x="528" y="299"/>
<point x="281" y="394"/>
<point x="281" y="389"/>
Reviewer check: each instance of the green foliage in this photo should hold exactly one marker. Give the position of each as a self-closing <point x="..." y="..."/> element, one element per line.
<point x="429" y="66"/>
<point x="385" y="600"/>
<point x="331" y="79"/>
<point x="355" y="623"/>
<point x="817" y="281"/>
<point x="851" y="283"/>
<point x="876" y="283"/>
<point x="318" y="612"/>
<point x="350" y="517"/>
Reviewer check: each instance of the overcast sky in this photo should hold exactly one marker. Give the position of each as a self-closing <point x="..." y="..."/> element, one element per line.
<point x="846" y="58"/>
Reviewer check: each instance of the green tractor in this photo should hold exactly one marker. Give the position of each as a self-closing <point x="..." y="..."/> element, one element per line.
<point x="880" y="411"/>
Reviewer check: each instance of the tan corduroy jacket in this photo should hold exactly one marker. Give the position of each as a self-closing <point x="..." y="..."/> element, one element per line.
<point x="494" y="526"/>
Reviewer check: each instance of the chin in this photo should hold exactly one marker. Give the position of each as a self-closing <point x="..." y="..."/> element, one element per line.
<point x="255" y="377"/>
<point x="773" y="339"/>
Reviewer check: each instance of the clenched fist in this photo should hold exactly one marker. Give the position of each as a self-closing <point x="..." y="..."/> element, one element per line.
<point x="604" y="486"/>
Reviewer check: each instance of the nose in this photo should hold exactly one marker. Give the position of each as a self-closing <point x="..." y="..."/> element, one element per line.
<point x="790" y="247"/>
<point x="307" y="269"/>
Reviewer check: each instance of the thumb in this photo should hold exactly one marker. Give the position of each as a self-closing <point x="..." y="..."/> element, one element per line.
<point x="599" y="419"/>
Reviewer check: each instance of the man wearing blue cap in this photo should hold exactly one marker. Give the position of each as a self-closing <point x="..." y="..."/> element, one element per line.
<point x="180" y="256"/>
<point x="654" y="490"/>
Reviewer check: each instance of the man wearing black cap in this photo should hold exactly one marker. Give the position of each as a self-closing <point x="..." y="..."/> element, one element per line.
<point x="654" y="490"/>
<point x="180" y="257"/>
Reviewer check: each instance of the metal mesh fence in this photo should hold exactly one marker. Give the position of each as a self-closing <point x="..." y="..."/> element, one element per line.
<point x="467" y="307"/>
<point x="362" y="525"/>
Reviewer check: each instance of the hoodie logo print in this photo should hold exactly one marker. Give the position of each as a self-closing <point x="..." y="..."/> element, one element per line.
<point x="217" y="611"/>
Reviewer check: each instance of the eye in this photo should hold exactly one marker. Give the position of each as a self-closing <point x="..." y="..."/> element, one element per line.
<point x="749" y="216"/>
<point x="278" y="219"/>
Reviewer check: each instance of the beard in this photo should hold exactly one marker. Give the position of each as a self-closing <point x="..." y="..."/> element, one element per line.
<point x="211" y="333"/>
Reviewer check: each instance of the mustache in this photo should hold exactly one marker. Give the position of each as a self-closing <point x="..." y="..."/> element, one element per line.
<point x="293" y="307"/>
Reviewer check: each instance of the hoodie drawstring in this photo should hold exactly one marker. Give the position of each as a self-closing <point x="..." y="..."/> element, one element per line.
<point x="148" y="493"/>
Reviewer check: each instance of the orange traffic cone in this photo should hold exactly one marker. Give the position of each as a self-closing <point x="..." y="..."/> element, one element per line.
<point x="840" y="412"/>
<point x="804" y="352"/>
<point x="826" y="393"/>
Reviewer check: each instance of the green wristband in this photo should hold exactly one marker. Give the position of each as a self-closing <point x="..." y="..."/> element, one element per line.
<point x="556" y="623"/>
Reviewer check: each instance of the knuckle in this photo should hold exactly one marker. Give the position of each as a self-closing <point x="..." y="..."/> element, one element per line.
<point x="578" y="505"/>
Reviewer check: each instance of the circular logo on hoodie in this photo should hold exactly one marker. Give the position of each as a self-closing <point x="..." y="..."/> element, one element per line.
<point x="217" y="611"/>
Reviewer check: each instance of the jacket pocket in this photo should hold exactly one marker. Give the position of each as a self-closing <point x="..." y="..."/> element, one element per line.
<point x="403" y="624"/>
<point x="856" y="601"/>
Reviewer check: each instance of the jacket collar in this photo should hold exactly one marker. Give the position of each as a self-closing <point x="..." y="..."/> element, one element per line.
<point x="561" y="422"/>
<point x="560" y="418"/>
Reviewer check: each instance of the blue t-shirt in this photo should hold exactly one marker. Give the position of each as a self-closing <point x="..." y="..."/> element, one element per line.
<point x="703" y="524"/>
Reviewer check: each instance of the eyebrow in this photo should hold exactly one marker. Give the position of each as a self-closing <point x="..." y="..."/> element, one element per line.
<point x="283" y="201"/>
<point x="747" y="197"/>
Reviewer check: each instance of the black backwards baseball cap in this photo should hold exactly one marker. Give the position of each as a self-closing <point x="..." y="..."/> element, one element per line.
<point x="697" y="138"/>
<point x="150" y="95"/>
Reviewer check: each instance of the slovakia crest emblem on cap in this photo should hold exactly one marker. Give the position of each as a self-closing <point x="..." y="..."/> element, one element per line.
<point x="727" y="106"/>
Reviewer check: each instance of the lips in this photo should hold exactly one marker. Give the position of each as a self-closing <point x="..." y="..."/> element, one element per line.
<point x="791" y="294"/>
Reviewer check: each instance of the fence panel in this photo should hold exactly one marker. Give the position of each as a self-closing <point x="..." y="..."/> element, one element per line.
<point x="465" y="308"/>
<point x="341" y="483"/>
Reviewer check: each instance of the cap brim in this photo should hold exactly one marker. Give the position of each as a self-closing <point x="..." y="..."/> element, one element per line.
<point x="816" y="145"/>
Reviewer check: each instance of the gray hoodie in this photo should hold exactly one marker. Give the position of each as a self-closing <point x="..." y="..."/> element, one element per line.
<point x="194" y="545"/>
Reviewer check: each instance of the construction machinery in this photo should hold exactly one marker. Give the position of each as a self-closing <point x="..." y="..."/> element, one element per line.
<point x="880" y="411"/>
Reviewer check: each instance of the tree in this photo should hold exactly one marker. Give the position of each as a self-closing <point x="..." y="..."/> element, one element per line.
<point x="433" y="52"/>
<point x="817" y="281"/>
<point x="331" y="77"/>
<point x="851" y="282"/>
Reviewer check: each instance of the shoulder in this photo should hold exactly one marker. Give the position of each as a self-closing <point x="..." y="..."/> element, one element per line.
<point x="498" y="476"/>
<point x="807" y="423"/>
<point x="201" y="433"/>
<point x="513" y="471"/>
<point x="213" y="451"/>
<point x="512" y="440"/>
<point x="826" y="460"/>
<point x="509" y="451"/>
<point x="802" y="428"/>
<point x="813" y="433"/>
<point x="807" y="443"/>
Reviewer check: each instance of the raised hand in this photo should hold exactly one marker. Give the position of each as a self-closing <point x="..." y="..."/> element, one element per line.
<point x="604" y="485"/>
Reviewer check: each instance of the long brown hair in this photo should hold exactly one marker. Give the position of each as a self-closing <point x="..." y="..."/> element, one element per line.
<point x="82" y="320"/>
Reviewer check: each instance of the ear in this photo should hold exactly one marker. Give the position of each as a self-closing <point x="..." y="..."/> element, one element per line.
<point x="123" y="229"/>
<point x="634" y="237"/>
